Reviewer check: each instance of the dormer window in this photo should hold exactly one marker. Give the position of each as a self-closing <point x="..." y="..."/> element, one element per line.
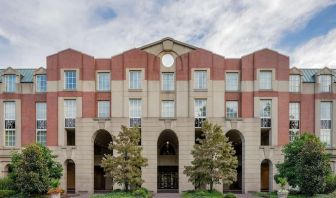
<point x="10" y="81"/>
<point x="294" y="83"/>
<point x="325" y="83"/>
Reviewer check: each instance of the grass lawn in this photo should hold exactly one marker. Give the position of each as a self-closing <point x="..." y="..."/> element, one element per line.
<point x="274" y="195"/>
<point x="121" y="194"/>
<point x="201" y="194"/>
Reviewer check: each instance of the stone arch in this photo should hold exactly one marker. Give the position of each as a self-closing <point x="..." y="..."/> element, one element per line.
<point x="266" y="175"/>
<point x="167" y="161"/>
<point x="101" y="140"/>
<point x="238" y="142"/>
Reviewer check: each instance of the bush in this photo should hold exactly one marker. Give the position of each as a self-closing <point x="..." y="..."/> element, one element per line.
<point x="7" y="193"/>
<point x="330" y="184"/>
<point x="140" y="193"/>
<point x="6" y="183"/>
<point x="229" y="195"/>
<point x="202" y="194"/>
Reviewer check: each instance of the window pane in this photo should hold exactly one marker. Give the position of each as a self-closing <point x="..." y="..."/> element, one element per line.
<point x="10" y="138"/>
<point x="168" y="81"/>
<point x="135" y="79"/>
<point x="325" y="111"/>
<point x="200" y="79"/>
<point x="103" y="109"/>
<point x="325" y="83"/>
<point x="200" y="108"/>
<point x="265" y="108"/>
<point x="294" y="111"/>
<point x="168" y="109"/>
<point x="41" y="137"/>
<point x="9" y="110"/>
<point x="69" y="108"/>
<point x="294" y="83"/>
<point x="41" y="83"/>
<point x="232" y="81"/>
<point x="103" y="81"/>
<point x="265" y="81"/>
<point x="135" y="108"/>
<point x="70" y="79"/>
<point x="232" y="109"/>
<point x="41" y="111"/>
<point x="10" y="81"/>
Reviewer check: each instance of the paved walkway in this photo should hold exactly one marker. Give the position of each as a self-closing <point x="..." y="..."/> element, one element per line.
<point x="167" y="195"/>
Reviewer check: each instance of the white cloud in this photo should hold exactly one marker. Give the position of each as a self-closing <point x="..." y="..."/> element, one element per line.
<point x="38" y="28"/>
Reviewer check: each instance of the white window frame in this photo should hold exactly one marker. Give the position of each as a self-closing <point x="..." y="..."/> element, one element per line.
<point x="135" y="110"/>
<point x="135" y="79"/>
<point x="41" y="116"/>
<point x="168" y="81"/>
<point x="10" y="82"/>
<point x="103" y="109"/>
<point x="200" y="79"/>
<point x="232" y="109"/>
<point x="73" y="77"/>
<point x="10" y="116"/>
<point x="294" y="120"/>
<point x="265" y="79"/>
<point x="232" y="81"/>
<point x="266" y="115"/>
<point x="70" y="111"/>
<point x="326" y="122"/>
<point x="168" y="108"/>
<point x="41" y="83"/>
<point x="294" y="83"/>
<point x="325" y="82"/>
<point x="103" y="81"/>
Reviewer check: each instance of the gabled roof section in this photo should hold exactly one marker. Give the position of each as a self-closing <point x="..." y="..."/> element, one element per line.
<point x="26" y="75"/>
<point x="309" y="75"/>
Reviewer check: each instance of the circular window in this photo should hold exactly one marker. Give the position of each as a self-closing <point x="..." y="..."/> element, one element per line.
<point x="167" y="60"/>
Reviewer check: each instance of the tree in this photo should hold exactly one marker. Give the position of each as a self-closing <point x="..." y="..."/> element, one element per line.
<point x="214" y="159"/>
<point x="125" y="167"/>
<point x="33" y="168"/>
<point x="306" y="164"/>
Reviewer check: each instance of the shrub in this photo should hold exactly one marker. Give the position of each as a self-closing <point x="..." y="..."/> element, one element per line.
<point x="202" y="194"/>
<point x="7" y="193"/>
<point x="140" y="193"/>
<point x="229" y="195"/>
<point x="6" y="183"/>
<point x="330" y="184"/>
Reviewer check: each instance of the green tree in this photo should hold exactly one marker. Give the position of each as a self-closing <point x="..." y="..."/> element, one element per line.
<point x="124" y="167"/>
<point x="33" y="168"/>
<point x="306" y="154"/>
<point x="214" y="159"/>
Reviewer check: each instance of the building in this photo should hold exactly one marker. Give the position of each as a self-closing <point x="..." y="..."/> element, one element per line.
<point x="168" y="88"/>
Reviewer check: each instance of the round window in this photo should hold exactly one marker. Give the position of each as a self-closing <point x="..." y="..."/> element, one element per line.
<point x="167" y="60"/>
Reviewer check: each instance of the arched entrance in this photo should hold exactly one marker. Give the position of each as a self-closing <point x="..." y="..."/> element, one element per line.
<point x="7" y="170"/>
<point x="167" y="161"/>
<point x="101" y="143"/>
<point x="237" y="142"/>
<point x="70" y="176"/>
<point x="266" y="175"/>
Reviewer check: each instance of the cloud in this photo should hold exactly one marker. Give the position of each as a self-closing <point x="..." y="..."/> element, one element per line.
<point x="37" y="28"/>
<point x="318" y="52"/>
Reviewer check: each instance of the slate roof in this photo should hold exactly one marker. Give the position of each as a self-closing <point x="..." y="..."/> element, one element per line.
<point x="27" y="75"/>
<point x="309" y="75"/>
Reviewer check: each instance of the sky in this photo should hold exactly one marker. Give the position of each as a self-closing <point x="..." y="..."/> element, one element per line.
<point x="304" y="30"/>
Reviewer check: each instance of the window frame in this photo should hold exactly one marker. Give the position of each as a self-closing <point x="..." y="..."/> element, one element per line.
<point x="325" y="83"/>
<point x="170" y="105"/>
<point x="265" y="83"/>
<point x="101" y="84"/>
<point x="11" y="118"/>
<point x="135" y="111"/>
<point x="43" y="118"/>
<point x="233" y="104"/>
<point x="265" y="116"/>
<point x="135" y="83"/>
<point x="10" y="83"/>
<point x="105" y="105"/>
<point x="70" y="114"/>
<point x="294" y="120"/>
<point x="70" y="85"/>
<point x="294" y="84"/>
<point x="228" y="82"/>
<point x="167" y="84"/>
<point x="200" y="79"/>
<point x="326" y="122"/>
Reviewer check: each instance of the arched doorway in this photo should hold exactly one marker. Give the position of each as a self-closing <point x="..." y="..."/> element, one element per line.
<point x="70" y="176"/>
<point x="266" y="175"/>
<point x="237" y="142"/>
<point x="167" y="161"/>
<point x="7" y="170"/>
<point x="101" y="143"/>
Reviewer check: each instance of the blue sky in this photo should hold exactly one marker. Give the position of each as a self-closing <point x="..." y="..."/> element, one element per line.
<point x="305" y="30"/>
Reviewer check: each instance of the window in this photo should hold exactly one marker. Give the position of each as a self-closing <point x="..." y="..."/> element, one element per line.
<point x="135" y="79"/>
<point x="232" y="109"/>
<point x="265" y="81"/>
<point x="135" y="112"/>
<point x="168" y="82"/>
<point x="103" y="109"/>
<point x="265" y="113"/>
<point x="41" y="83"/>
<point x="10" y="81"/>
<point x="325" y="123"/>
<point x="168" y="109"/>
<point x="294" y="83"/>
<point x="200" y="79"/>
<point x="294" y="120"/>
<point x="70" y="113"/>
<point x="70" y="80"/>
<point x="200" y="112"/>
<point x="232" y="81"/>
<point x="41" y="123"/>
<point x="10" y="109"/>
<point x="325" y="83"/>
<point x="103" y="81"/>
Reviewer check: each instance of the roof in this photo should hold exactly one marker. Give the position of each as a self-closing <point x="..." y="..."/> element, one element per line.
<point x="308" y="75"/>
<point x="27" y="75"/>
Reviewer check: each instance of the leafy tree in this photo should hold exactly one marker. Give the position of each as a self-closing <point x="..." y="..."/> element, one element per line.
<point x="306" y="164"/>
<point x="214" y="159"/>
<point x="33" y="168"/>
<point x="125" y="167"/>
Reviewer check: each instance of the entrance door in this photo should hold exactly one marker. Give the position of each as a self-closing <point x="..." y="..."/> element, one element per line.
<point x="99" y="179"/>
<point x="265" y="176"/>
<point x="71" y="178"/>
<point x="168" y="177"/>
